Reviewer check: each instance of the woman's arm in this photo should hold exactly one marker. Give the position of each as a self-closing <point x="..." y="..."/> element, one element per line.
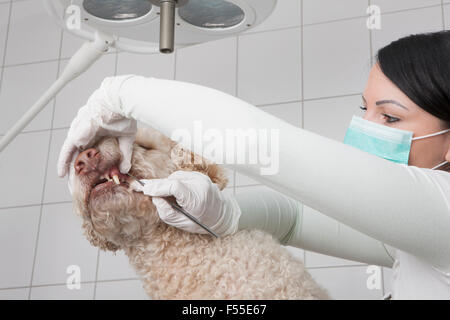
<point x="402" y="206"/>
<point x="293" y="225"/>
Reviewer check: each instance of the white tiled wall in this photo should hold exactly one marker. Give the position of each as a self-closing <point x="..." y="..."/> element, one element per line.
<point x="310" y="74"/>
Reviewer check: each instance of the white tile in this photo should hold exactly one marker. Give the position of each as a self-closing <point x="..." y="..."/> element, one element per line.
<point x="86" y="292"/>
<point x="77" y="92"/>
<point x="397" y="25"/>
<point x="314" y="260"/>
<point x="389" y="5"/>
<point x="287" y="13"/>
<point x="56" y="189"/>
<point x="345" y="283"/>
<point x="331" y="117"/>
<point x="315" y="11"/>
<point x="387" y="280"/>
<point x="269" y="66"/>
<point x="447" y="16"/>
<point x="211" y="64"/>
<point x="71" y="43"/>
<point x="61" y="244"/>
<point x="22" y="86"/>
<point x="289" y="112"/>
<point x="22" y="167"/>
<point x="114" y="266"/>
<point x="4" y="20"/>
<point x="33" y="36"/>
<point x="14" y="294"/>
<point x="336" y="58"/>
<point x="120" y="290"/>
<point x="18" y="230"/>
<point x="150" y="65"/>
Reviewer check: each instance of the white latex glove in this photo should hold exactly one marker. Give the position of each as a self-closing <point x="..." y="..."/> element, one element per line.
<point x="99" y="117"/>
<point x="199" y="196"/>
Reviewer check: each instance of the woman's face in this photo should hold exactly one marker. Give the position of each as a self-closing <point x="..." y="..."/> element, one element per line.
<point x="386" y="104"/>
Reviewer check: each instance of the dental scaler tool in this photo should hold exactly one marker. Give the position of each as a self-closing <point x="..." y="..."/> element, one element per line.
<point x="177" y="207"/>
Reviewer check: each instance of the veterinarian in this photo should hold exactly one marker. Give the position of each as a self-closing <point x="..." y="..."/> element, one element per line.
<point x="383" y="195"/>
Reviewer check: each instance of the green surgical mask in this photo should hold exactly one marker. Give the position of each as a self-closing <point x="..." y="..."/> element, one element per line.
<point x="383" y="141"/>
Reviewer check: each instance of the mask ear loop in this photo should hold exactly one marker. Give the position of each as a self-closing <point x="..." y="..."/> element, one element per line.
<point x="440" y="165"/>
<point x="432" y="134"/>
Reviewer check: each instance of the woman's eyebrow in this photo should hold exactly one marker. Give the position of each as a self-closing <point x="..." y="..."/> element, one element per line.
<point x="392" y="102"/>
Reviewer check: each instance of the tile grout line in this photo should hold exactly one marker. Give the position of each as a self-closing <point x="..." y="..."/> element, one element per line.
<point x="302" y="94"/>
<point x="46" y="168"/>
<point x="175" y="60"/>
<point x="370" y="40"/>
<point x="443" y="15"/>
<point x="6" y="43"/>
<point x="35" y="205"/>
<point x="47" y="60"/>
<point x="362" y="16"/>
<point x="116" y="64"/>
<point x="40" y="130"/>
<point x="63" y="284"/>
<point x="236" y="93"/>
<point x="302" y="16"/>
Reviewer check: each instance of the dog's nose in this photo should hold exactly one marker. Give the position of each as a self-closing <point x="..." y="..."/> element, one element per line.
<point x="86" y="161"/>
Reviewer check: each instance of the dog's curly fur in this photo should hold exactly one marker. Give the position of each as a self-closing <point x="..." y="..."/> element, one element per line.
<point x="174" y="264"/>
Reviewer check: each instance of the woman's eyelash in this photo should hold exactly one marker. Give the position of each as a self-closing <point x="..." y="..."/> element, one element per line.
<point x="390" y="119"/>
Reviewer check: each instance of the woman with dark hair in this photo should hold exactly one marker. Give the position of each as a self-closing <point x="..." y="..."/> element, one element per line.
<point x="416" y="69"/>
<point x="382" y="197"/>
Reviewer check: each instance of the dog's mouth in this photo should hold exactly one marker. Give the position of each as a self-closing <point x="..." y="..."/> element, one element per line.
<point x="108" y="181"/>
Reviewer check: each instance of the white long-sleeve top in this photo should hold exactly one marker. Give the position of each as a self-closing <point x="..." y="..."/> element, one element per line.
<point x="384" y="211"/>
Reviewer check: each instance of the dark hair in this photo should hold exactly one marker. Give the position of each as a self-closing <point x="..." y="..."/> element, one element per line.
<point x="419" y="65"/>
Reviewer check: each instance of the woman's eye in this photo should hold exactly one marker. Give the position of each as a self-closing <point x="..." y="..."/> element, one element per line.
<point x="363" y="108"/>
<point x="390" y="119"/>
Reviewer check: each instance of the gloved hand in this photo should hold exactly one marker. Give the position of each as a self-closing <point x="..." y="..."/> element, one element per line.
<point x="199" y="196"/>
<point x="99" y="117"/>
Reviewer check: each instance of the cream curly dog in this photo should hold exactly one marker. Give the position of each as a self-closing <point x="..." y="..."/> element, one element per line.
<point x="174" y="264"/>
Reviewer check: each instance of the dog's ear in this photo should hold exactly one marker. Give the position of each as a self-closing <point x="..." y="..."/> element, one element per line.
<point x="149" y="138"/>
<point x="95" y="239"/>
<point x="190" y="161"/>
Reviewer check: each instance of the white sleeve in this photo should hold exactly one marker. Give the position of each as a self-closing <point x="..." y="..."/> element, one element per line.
<point x="402" y="206"/>
<point x="302" y="227"/>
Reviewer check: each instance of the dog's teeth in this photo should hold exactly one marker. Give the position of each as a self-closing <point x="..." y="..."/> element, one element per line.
<point x="116" y="179"/>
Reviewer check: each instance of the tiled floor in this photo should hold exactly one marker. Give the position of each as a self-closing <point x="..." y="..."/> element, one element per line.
<point x="296" y="71"/>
